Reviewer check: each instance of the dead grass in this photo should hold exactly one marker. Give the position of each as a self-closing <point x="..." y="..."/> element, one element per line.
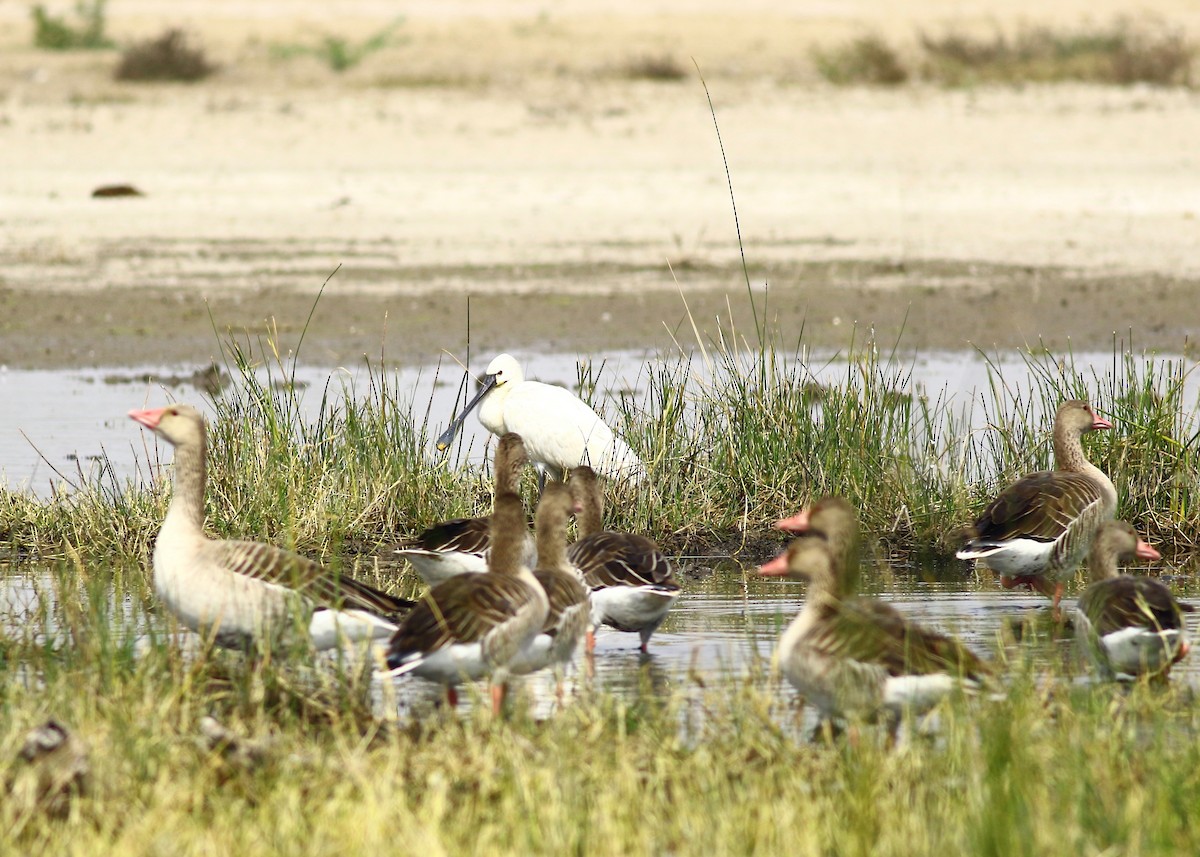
<point x="1122" y="52"/>
<point x="169" y="57"/>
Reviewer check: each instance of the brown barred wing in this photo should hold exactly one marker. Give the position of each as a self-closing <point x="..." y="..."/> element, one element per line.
<point x="1131" y="602"/>
<point x="564" y="591"/>
<point x="870" y="631"/>
<point x="323" y="587"/>
<point x="463" y="609"/>
<point x="466" y="535"/>
<point x="621" y="559"/>
<point x="1039" y="506"/>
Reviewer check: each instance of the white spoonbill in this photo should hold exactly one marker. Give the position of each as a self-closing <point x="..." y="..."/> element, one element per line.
<point x="559" y="429"/>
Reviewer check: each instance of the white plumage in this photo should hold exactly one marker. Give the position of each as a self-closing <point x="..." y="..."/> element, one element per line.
<point x="559" y="429"/>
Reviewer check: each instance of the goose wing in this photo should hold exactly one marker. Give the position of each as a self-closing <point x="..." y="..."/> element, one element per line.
<point x="1131" y="602"/>
<point x="621" y="559"/>
<point x="465" y="535"/>
<point x="872" y="632"/>
<point x="324" y="587"/>
<point x="564" y="592"/>
<point x="1040" y="506"/>
<point x="463" y="609"/>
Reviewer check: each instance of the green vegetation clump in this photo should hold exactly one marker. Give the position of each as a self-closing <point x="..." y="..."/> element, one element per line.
<point x="732" y="441"/>
<point x="1120" y="53"/>
<point x="866" y="59"/>
<point x="312" y="758"/>
<point x="339" y="53"/>
<point x="55" y="33"/>
<point x="168" y="57"/>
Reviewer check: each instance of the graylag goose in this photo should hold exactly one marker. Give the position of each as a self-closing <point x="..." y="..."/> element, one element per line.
<point x="631" y="580"/>
<point x="460" y="546"/>
<point x="560" y="430"/>
<point x="1037" y="531"/>
<point x="857" y="657"/>
<point x="246" y="592"/>
<point x="475" y="625"/>
<point x="1129" y="626"/>
<point x="569" y="614"/>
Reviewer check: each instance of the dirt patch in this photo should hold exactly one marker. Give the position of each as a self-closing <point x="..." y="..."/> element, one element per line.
<point x="571" y="199"/>
<point x="920" y="305"/>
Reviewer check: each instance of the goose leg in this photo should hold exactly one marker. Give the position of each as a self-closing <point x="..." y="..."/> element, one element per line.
<point x="498" y="692"/>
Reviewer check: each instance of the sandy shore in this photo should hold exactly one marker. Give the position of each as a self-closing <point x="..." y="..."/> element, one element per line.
<point x="500" y="150"/>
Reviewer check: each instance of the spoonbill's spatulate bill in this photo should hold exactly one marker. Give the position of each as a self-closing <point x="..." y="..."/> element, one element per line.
<point x="1037" y="531"/>
<point x="245" y="592"/>
<point x="559" y="429"/>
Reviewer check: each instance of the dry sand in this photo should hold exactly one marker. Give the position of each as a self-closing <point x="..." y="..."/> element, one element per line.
<point x="499" y="150"/>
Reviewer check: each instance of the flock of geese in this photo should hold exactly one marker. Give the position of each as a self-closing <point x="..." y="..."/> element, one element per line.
<point x="503" y="601"/>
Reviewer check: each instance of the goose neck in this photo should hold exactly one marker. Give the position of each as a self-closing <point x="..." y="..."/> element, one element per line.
<point x="187" y="496"/>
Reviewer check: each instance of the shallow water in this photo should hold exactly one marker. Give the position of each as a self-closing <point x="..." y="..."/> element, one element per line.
<point x="719" y="636"/>
<point x="66" y="427"/>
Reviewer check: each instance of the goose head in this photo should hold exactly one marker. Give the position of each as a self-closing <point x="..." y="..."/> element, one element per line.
<point x="831" y="517"/>
<point x="1116" y="541"/>
<point x="585" y="488"/>
<point x="558" y="504"/>
<point x="180" y="425"/>
<point x="1077" y="417"/>
<point x="511" y="459"/>
<point x="807" y="558"/>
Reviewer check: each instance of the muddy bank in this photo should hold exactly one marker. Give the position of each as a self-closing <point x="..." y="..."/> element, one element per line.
<point x="540" y="174"/>
<point x="922" y="305"/>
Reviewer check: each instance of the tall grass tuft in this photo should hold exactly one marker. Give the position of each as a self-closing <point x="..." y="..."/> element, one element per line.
<point x="734" y="437"/>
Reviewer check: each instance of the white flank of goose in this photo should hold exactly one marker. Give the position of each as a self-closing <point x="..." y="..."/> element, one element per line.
<point x="560" y="430"/>
<point x="632" y="582"/>
<point x="858" y="657"/>
<point x="1037" y="531"/>
<point x="1129" y="627"/>
<point x="246" y="592"/>
<point x="475" y="625"/>
<point x="460" y="546"/>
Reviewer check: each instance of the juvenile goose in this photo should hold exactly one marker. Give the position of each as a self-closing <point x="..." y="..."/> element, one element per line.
<point x="1037" y="531"/>
<point x="460" y="545"/>
<point x="475" y="625"/>
<point x="1128" y="626"/>
<point x="858" y="657"/>
<point x="246" y="592"/>
<point x="561" y="431"/>
<point x="631" y="580"/>
<point x="569" y="613"/>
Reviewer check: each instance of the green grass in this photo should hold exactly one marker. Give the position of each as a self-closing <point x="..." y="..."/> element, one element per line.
<point x="57" y="33"/>
<point x="732" y="443"/>
<point x="1049" y="767"/>
<point x="340" y="53"/>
